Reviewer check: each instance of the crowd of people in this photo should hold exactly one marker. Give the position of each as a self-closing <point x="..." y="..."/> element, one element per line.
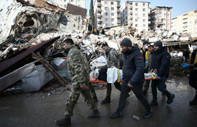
<point x="134" y="63"/>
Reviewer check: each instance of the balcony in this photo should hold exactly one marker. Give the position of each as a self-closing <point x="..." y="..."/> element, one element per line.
<point x="98" y="0"/>
<point x="131" y="13"/>
<point x="99" y="16"/>
<point x="99" y="22"/>
<point x="130" y="7"/>
<point x="99" y="5"/>
<point x="119" y="16"/>
<point x="99" y="10"/>
<point x="131" y="18"/>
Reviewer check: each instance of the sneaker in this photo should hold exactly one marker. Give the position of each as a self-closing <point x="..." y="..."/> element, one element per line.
<point x="148" y="113"/>
<point x="154" y="103"/>
<point x="66" y="121"/>
<point x="193" y="102"/>
<point x="170" y="99"/>
<point x="94" y="114"/>
<point x="106" y="100"/>
<point x="116" y="115"/>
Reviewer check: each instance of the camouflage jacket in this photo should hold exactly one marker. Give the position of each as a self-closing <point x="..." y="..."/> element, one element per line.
<point x="77" y="66"/>
<point x="112" y="58"/>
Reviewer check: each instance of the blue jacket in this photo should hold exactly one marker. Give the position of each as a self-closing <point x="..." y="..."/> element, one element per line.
<point x="161" y="62"/>
<point x="133" y="66"/>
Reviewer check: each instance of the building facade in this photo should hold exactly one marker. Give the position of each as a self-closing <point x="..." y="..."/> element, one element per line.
<point x="135" y="13"/>
<point x="107" y="13"/>
<point x="160" y="18"/>
<point x="79" y="3"/>
<point x="186" y="23"/>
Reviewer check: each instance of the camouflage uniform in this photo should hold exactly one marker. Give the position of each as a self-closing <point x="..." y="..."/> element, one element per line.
<point x="112" y="60"/>
<point x="79" y="74"/>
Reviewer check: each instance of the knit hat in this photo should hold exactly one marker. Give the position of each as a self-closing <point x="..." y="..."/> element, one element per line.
<point x="126" y="42"/>
<point x="158" y="43"/>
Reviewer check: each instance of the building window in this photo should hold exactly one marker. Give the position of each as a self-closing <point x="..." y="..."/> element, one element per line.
<point x="105" y="2"/>
<point x="71" y="0"/>
<point x="143" y="15"/>
<point x="112" y="19"/>
<point x="106" y="8"/>
<point x="64" y="0"/>
<point x="112" y="8"/>
<point x="143" y="20"/>
<point x="144" y="9"/>
<point x="143" y="4"/>
<point x="144" y="25"/>
<point x="135" y="25"/>
<point x="136" y="14"/>
<point x="106" y="19"/>
<point x="136" y="4"/>
<point x="136" y="20"/>
<point x="112" y="14"/>
<point x="106" y="25"/>
<point x="112" y="3"/>
<point x="136" y="9"/>
<point x="106" y="13"/>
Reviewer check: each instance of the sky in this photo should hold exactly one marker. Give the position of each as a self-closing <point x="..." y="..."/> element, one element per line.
<point x="179" y="7"/>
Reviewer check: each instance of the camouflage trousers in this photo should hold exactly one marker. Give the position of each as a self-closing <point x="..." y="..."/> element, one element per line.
<point x="74" y="96"/>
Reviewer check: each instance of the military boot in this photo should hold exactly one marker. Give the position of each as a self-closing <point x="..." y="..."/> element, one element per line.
<point x="194" y="101"/>
<point x="94" y="114"/>
<point x="66" y="121"/>
<point x="106" y="100"/>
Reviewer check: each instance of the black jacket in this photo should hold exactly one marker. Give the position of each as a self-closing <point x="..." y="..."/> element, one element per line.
<point x="161" y="62"/>
<point x="133" y="66"/>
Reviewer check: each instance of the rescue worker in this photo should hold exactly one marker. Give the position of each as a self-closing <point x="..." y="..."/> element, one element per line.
<point x="112" y="61"/>
<point x="133" y="77"/>
<point x="193" y="75"/>
<point x="160" y="64"/>
<point x="147" y="69"/>
<point x="80" y="81"/>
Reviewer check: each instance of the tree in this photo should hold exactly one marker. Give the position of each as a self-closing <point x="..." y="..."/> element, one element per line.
<point x="91" y="14"/>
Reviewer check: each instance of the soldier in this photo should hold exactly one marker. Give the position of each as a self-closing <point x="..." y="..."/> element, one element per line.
<point x="80" y="83"/>
<point x="112" y="60"/>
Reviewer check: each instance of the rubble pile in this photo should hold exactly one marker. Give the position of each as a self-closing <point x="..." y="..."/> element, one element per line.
<point x="24" y="26"/>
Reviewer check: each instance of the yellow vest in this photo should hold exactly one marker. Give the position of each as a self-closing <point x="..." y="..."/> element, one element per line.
<point x="195" y="60"/>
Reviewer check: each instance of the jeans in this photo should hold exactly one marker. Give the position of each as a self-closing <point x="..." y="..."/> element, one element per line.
<point x="161" y="86"/>
<point x="137" y="90"/>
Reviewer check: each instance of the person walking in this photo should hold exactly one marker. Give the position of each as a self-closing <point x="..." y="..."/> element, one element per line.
<point x="160" y="64"/>
<point x="80" y="81"/>
<point x="112" y="61"/>
<point x="133" y="77"/>
<point x="193" y="75"/>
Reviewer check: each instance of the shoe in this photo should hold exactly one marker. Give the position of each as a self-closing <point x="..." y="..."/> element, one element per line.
<point x="106" y="100"/>
<point x="148" y="113"/>
<point x="154" y="103"/>
<point x="94" y="114"/>
<point x="145" y="92"/>
<point x="66" y="121"/>
<point x="116" y="115"/>
<point x="194" y="101"/>
<point x="170" y="99"/>
<point x="95" y="100"/>
<point x="128" y="95"/>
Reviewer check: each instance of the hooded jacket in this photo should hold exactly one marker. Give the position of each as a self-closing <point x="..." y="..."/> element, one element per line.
<point x="161" y="62"/>
<point x="133" y="66"/>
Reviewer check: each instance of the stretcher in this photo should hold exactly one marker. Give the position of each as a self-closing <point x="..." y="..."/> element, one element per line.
<point x="93" y="80"/>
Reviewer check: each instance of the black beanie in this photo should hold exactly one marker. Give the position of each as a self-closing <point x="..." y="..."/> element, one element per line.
<point x="158" y="43"/>
<point x="126" y="42"/>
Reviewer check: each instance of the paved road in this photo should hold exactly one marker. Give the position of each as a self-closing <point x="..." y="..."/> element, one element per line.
<point x="41" y="109"/>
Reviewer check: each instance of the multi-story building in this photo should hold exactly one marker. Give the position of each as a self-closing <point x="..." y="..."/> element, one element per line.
<point x="135" y="13"/>
<point x="106" y="13"/>
<point x="80" y="3"/>
<point x="186" y="23"/>
<point x="160" y="18"/>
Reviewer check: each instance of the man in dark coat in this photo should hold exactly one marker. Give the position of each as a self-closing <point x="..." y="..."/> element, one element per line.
<point x="133" y="77"/>
<point x="160" y="64"/>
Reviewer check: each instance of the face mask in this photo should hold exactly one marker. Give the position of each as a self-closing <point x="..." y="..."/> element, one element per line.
<point x="146" y="47"/>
